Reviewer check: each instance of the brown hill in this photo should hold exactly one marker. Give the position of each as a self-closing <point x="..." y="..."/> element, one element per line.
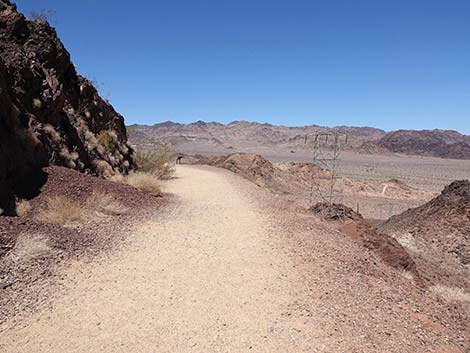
<point x="437" y="235"/>
<point x="49" y="113"/>
<point x="243" y="133"/>
<point x="435" y="143"/>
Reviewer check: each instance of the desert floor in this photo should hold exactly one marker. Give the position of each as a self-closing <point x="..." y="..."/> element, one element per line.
<point x="228" y="268"/>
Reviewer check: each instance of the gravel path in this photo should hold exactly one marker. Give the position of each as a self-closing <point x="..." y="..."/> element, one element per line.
<point x="203" y="277"/>
<point x="228" y="267"/>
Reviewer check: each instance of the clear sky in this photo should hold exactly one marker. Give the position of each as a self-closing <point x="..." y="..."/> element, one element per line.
<point x="384" y="63"/>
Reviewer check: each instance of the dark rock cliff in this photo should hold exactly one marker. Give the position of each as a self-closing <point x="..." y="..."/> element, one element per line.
<point x="48" y="113"/>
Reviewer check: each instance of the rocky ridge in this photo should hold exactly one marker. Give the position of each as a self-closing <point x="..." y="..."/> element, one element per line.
<point x="48" y="113"/>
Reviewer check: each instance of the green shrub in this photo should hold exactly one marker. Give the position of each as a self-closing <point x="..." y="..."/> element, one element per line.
<point x="159" y="163"/>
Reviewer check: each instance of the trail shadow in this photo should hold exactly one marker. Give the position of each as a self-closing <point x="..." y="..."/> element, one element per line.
<point x="29" y="185"/>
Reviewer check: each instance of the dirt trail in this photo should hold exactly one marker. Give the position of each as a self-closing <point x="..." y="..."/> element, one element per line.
<point x="203" y="277"/>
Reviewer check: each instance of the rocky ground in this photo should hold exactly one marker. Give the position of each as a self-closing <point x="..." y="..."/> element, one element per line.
<point x="437" y="234"/>
<point x="230" y="267"/>
<point x="33" y="251"/>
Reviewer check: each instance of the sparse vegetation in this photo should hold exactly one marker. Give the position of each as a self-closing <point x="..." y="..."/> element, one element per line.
<point x="42" y="15"/>
<point x="158" y="163"/>
<point x="451" y="294"/>
<point x="145" y="182"/>
<point x="104" y="204"/>
<point x="64" y="211"/>
<point x="103" y="168"/>
<point x="69" y="213"/>
<point x="131" y="129"/>
<point x="31" y="248"/>
<point x="107" y="139"/>
<point x="52" y="132"/>
<point x="22" y="208"/>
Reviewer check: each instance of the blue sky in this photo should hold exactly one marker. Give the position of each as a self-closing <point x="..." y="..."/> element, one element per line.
<point x="384" y="63"/>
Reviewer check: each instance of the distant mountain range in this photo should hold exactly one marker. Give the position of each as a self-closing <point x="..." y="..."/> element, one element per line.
<point x="243" y="134"/>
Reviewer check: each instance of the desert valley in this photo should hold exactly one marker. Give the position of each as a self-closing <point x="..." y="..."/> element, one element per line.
<point x="211" y="237"/>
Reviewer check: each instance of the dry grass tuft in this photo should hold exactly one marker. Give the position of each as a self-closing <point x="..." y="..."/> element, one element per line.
<point x="104" y="204"/>
<point x="451" y="294"/>
<point x="32" y="248"/>
<point x="22" y="208"/>
<point x="71" y="213"/>
<point x="145" y="182"/>
<point x="64" y="211"/>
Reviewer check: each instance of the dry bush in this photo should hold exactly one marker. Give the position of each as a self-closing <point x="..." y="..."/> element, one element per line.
<point x="64" y="211"/>
<point x="108" y="139"/>
<point x="159" y="162"/>
<point x="451" y="294"/>
<point x="53" y="133"/>
<point x="145" y="182"/>
<point x="68" y="157"/>
<point x="32" y="248"/>
<point x="42" y="15"/>
<point x="103" y="168"/>
<point x="104" y="204"/>
<point x="70" y="213"/>
<point x="22" y="208"/>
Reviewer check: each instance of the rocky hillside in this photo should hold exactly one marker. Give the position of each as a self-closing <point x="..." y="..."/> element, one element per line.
<point x="437" y="234"/>
<point x="353" y="225"/>
<point x="435" y="143"/>
<point x="243" y="133"/>
<point x="49" y="113"/>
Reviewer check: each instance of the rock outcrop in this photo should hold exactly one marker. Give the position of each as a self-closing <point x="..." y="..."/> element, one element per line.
<point x="48" y="113"/>
<point x="434" y="143"/>
<point x="438" y="234"/>
<point x="444" y="221"/>
<point x="353" y="225"/>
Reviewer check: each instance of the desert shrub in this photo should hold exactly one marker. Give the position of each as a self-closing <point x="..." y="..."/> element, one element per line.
<point x="64" y="211"/>
<point x="88" y="138"/>
<point x="69" y="213"/>
<point x="158" y="163"/>
<point x="52" y="132"/>
<point x="103" y="168"/>
<point x="42" y="15"/>
<point x="37" y="104"/>
<point x="68" y="157"/>
<point x="107" y="139"/>
<point x="31" y="248"/>
<point x="22" y="208"/>
<point x="104" y="204"/>
<point x="145" y="182"/>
